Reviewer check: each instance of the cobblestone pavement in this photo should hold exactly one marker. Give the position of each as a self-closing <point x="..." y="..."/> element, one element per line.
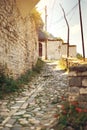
<point x="38" y="104"/>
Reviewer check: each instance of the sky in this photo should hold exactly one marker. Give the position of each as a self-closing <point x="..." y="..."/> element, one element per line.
<point x="56" y="24"/>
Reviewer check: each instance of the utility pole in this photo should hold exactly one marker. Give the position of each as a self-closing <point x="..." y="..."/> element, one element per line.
<point x="80" y="14"/>
<point x="45" y="18"/>
<point x="67" y="33"/>
<point x="46" y="31"/>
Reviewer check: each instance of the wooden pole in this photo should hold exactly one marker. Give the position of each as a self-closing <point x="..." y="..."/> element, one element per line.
<point x="67" y="35"/>
<point x="80" y="14"/>
<point x="46" y="31"/>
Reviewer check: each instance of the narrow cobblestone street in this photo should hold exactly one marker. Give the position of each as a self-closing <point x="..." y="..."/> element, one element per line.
<point x="38" y="104"/>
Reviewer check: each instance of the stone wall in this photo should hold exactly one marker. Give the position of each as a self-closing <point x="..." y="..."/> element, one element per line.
<point x="54" y="50"/>
<point x="72" y="50"/>
<point x="78" y="84"/>
<point x="18" y="40"/>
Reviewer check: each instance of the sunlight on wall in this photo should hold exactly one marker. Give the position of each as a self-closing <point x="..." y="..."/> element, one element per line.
<point x="25" y="6"/>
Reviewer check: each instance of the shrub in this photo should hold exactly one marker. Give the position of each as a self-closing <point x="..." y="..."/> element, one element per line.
<point x="8" y="85"/>
<point x="63" y="64"/>
<point x="79" y="56"/>
<point x="72" y="115"/>
<point x="25" y="78"/>
<point x="38" y="66"/>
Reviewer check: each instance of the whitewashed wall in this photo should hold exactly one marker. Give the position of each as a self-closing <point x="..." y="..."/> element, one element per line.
<point x="56" y="50"/>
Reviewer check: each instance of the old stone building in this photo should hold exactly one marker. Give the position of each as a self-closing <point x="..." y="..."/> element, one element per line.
<point x="18" y="37"/>
<point x="56" y="49"/>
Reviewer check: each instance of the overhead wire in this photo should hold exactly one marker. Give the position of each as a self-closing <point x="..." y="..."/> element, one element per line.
<point x="63" y="25"/>
<point x="66" y="14"/>
<point x="52" y="12"/>
<point x="84" y="1"/>
<point x="54" y="5"/>
<point x="84" y="17"/>
<point x="72" y="14"/>
<point x="73" y="9"/>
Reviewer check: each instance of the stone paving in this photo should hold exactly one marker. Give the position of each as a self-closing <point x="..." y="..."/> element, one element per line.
<point x="37" y="106"/>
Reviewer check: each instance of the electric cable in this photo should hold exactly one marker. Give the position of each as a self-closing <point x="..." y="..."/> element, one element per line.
<point x="66" y="14"/>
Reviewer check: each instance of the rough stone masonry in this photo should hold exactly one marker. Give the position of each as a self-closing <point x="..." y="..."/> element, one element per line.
<point x="18" y="40"/>
<point x="78" y="84"/>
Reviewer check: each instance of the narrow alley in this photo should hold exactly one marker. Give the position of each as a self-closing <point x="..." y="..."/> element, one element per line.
<point x="38" y="105"/>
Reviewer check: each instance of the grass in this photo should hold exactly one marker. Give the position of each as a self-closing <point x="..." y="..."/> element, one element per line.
<point x="63" y="64"/>
<point x="27" y="77"/>
<point x="71" y="62"/>
<point x="9" y="85"/>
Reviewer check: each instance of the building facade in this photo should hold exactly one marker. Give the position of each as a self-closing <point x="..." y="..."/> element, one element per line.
<point x="56" y="50"/>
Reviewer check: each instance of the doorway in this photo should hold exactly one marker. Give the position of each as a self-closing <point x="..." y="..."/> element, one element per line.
<point x="40" y="49"/>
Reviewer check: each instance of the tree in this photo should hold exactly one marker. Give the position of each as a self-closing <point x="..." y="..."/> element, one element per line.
<point x="42" y="35"/>
<point x="38" y="20"/>
<point x="79" y="56"/>
<point x="59" y="39"/>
